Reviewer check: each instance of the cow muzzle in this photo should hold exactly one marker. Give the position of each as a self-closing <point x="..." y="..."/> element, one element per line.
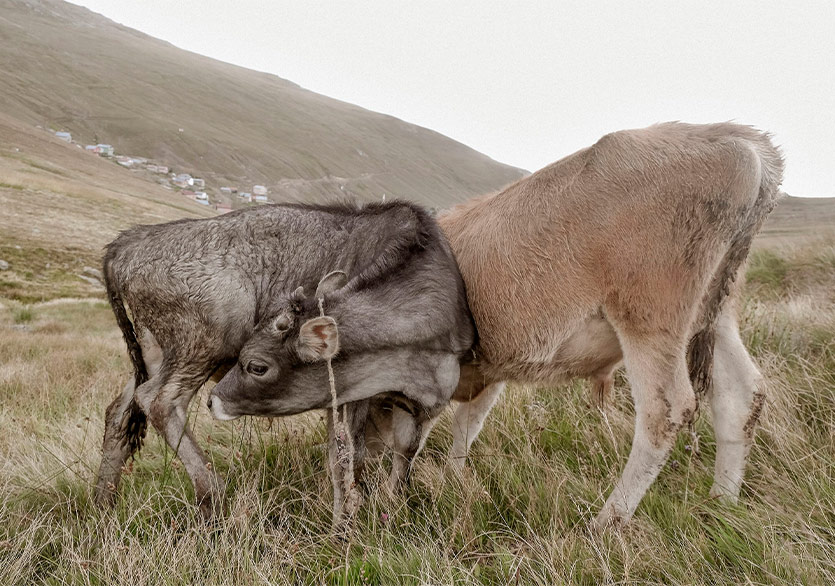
<point x="215" y="405"/>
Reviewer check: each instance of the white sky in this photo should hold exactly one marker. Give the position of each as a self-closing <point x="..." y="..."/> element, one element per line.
<point x="530" y="82"/>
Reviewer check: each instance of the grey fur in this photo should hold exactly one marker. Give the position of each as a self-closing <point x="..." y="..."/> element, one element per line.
<point x="402" y="330"/>
<point x="197" y="289"/>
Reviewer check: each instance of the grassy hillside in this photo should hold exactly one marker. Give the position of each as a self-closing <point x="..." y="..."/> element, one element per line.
<point x="66" y="68"/>
<point x="60" y="206"/>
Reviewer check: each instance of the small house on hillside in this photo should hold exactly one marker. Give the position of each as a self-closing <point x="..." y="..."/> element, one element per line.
<point x="245" y="196"/>
<point x="104" y="150"/>
<point x="261" y="199"/>
<point x="199" y="183"/>
<point x="124" y="161"/>
<point x="226" y="190"/>
<point x="65" y="136"/>
<point x="259" y="190"/>
<point x="183" y="180"/>
<point x="201" y="196"/>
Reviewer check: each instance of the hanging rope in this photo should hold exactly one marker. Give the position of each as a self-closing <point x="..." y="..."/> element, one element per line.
<point x="342" y="435"/>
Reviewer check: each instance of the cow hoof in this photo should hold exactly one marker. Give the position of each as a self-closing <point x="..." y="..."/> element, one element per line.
<point x="105" y="495"/>
<point x="724" y="495"/>
<point x="211" y="509"/>
<point x="458" y="465"/>
<point x="608" y="520"/>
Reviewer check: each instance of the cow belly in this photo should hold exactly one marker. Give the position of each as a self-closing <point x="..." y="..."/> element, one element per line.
<point x="556" y="356"/>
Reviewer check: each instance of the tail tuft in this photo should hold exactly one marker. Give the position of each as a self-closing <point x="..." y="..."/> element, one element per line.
<point x="134" y="427"/>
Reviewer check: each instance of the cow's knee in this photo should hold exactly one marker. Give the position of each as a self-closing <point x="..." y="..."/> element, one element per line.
<point x="671" y="410"/>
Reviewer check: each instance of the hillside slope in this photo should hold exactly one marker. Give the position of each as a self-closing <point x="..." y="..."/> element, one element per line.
<point x="67" y="68"/>
<point x="796" y="220"/>
<point x="60" y="205"/>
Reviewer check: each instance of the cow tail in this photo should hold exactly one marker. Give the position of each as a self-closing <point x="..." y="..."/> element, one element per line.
<point x="700" y="351"/>
<point x="134" y="421"/>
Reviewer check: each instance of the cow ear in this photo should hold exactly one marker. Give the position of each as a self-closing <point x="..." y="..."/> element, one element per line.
<point x="330" y="283"/>
<point x="318" y="339"/>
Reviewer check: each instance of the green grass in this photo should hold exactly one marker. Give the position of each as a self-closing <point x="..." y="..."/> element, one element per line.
<point x="40" y="274"/>
<point x="538" y="473"/>
<point x="768" y="271"/>
<point x="22" y="315"/>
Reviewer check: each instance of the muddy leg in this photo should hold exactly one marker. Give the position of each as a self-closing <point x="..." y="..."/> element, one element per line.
<point x="124" y="429"/>
<point x="664" y="402"/>
<point x="736" y="403"/>
<point x="166" y="399"/>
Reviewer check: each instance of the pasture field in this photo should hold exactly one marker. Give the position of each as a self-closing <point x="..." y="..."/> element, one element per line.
<point x="519" y="515"/>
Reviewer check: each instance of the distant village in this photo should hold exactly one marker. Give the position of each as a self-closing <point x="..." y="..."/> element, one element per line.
<point x="193" y="188"/>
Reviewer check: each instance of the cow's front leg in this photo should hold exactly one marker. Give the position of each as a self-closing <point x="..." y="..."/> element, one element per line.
<point x="346" y="456"/>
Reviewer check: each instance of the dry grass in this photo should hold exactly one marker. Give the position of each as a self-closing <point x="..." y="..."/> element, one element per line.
<point x="539" y="472"/>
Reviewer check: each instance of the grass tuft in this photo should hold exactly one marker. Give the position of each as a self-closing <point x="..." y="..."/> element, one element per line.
<point x="23" y="315"/>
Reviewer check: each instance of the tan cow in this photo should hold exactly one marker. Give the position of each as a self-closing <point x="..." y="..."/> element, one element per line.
<point x="623" y="251"/>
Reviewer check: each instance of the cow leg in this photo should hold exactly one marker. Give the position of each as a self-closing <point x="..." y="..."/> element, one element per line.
<point x="125" y="425"/>
<point x="664" y="402"/>
<point x="468" y="420"/>
<point x="347" y="494"/>
<point x="166" y="399"/>
<point x="408" y="438"/>
<point x="124" y="429"/>
<point x="736" y="401"/>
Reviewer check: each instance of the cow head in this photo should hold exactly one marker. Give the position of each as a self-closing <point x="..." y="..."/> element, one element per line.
<point x="294" y="334"/>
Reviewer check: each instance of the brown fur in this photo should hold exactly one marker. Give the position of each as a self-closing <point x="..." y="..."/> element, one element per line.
<point x="624" y="250"/>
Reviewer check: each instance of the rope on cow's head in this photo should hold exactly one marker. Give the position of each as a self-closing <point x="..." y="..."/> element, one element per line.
<point x="342" y="435"/>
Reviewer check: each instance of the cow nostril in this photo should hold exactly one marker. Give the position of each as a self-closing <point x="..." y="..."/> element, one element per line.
<point x="209" y="403"/>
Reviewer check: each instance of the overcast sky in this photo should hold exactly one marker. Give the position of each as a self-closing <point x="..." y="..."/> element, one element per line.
<point x="530" y="82"/>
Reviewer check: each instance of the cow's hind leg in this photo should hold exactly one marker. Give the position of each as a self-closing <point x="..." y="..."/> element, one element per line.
<point x="736" y="403"/>
<point x="166" y="399"/>
<point x="664" y="402"/>
<point x="124" y="429"/>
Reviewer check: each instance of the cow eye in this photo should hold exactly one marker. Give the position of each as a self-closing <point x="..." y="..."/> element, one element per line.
<point x="256" y="368"/>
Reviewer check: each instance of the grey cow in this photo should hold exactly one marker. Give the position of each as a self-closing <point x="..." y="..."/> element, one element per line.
<point x="199" y="289"/>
